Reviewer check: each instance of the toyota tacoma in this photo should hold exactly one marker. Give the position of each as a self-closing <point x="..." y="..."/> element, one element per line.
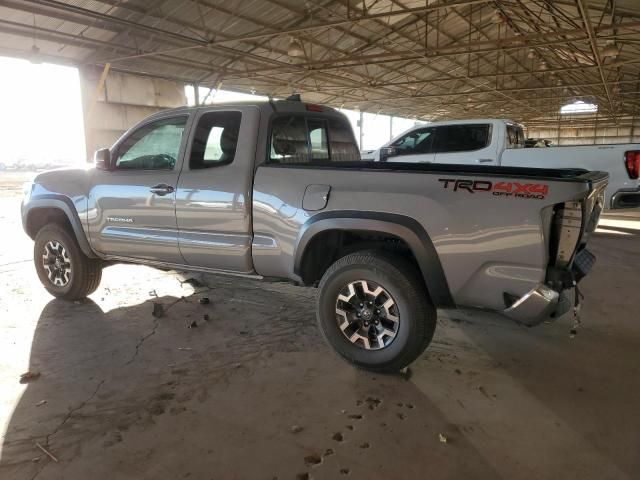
<point x="278" y="190"/>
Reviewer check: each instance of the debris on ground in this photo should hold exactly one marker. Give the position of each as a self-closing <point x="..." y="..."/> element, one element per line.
<point x="158" y="310"/>
<point x="206" y="317"/>
<point x="193" y="324"/>
<point x="296" y="429"/>
<point x="204" y="301"/>
<point x="372" y="402"/>
<point x="40" y="403"/>
<point x="185" y="349"/>
<point x="405" y="373"/>
<point x="312" y="459"/>
<point x="153" y="293"/>
<point x="442" y="438"/>
<point x="484" y="392"/>
<point x="337" y="437"/>
<point x="29" y="376"/>
<point x="328" y="452"/>
<point x="47" y="452"/>
<point x="194" y="282"/>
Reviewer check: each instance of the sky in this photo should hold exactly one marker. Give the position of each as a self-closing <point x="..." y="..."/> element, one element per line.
<point x="41" y="113"/>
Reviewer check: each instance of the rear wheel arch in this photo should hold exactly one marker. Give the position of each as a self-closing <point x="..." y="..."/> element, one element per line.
<point x="324" y="231"/>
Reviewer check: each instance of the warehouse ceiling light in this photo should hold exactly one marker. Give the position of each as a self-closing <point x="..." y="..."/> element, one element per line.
<point x="578" y="107"/>
<point x="610" y="50"/>
<point x="295" y="48"/>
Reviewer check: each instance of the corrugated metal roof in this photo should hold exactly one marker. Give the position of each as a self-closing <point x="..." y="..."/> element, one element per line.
<point x="428" y="59"/>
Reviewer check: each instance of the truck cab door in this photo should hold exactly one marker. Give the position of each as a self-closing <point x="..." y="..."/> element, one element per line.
<point x="415" y="146"/>
<point x="465" y="144"/>
<point x="132" y="205"/>
<point x="213" y="198"/>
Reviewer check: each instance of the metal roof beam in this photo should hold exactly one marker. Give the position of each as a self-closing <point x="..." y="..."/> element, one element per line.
<point x="596" y="53"/>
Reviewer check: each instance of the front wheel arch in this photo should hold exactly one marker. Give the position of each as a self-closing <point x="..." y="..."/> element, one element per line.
<point x="57" y="209"/>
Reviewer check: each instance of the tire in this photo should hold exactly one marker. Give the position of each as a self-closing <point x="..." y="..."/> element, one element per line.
<point x="75" y="275"/>
<point x="410" y="304"/>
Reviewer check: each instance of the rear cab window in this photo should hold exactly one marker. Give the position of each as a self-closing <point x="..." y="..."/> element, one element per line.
<point x="462" y="137"/>
<point x="302" y="139"/>
<point x="515" y="136"/>
<point x="215" y="140"/>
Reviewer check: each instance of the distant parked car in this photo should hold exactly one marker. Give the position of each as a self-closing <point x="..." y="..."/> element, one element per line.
<point x="500" y="142"/>
<point x="537" y="143"/>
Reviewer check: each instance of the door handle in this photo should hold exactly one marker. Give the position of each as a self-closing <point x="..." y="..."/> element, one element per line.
<point x="161" y="189"/>
<point x="485" y="160"/>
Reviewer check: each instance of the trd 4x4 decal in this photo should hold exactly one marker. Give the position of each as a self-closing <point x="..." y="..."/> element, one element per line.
<point x="500" y="189"/>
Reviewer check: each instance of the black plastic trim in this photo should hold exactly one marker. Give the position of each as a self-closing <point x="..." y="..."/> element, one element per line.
<point x="64" y="204"/>
<point x="619" y="199"/>
<point x="575" y="175"/>
<point x="405" y="228"/>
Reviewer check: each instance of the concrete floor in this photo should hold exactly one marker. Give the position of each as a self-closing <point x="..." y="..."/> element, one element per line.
<point x="124" y="395"/>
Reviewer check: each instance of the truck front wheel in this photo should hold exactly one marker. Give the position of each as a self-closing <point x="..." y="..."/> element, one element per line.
<point x="64" y="270"/>
<point x="374" y="310"/>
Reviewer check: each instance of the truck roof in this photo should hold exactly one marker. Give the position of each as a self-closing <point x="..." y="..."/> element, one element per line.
<point x="505" y="121"/>
<point x="274" y="105"/>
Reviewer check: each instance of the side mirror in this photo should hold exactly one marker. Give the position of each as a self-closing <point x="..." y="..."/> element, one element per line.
<point x="102" y="159"/>
<point x="386" y="152"/>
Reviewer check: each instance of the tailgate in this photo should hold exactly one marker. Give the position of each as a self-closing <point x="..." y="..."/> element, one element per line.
<point x="573" y="223"/>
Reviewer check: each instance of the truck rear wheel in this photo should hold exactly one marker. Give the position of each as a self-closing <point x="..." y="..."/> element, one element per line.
<point x="374" y="310"/>
<point x="64" y="270"/>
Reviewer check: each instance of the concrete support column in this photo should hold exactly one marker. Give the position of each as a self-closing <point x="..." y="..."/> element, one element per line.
<point x="123" y="101"/>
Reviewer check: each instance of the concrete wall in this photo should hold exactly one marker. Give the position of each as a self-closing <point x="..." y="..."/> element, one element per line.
<point x="587" y="131"/>
<point x="124" y="101"/>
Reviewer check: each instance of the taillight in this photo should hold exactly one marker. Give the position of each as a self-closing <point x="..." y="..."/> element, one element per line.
<point x="632" y="162"/>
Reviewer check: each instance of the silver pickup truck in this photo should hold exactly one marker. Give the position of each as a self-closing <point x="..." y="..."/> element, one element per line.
<point x="278" y="190"/>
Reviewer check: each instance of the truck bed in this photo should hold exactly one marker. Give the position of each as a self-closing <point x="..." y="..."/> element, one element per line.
<point x="466" y="212"/>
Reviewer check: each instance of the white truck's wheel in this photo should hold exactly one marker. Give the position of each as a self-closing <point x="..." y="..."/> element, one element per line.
<point x="374" y="310"/>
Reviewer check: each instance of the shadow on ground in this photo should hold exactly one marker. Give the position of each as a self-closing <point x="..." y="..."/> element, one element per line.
<point x="252" y="392"/>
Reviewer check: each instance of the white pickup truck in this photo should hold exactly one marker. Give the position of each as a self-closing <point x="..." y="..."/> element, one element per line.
<point x="501" y="143"/>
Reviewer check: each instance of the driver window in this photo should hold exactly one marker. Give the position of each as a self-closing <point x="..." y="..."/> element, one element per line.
<point x="153" y="147"/>
<point x="417" y="141"/>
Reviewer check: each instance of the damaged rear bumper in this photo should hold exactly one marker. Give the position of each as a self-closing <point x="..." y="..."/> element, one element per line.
<point x="543" y="302"/>
<point x="535" y="306"/>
